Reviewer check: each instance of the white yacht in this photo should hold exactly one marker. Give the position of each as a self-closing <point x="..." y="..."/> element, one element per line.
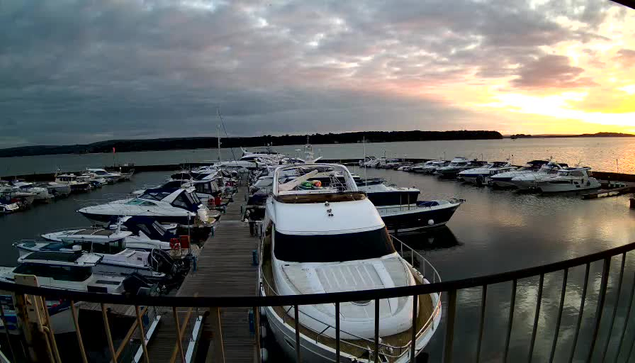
<point x="109" y="176"/>
<point x="527" y="181"/>
<point x="568" y="180"/>
<point x="138" y="233"/>
<point x="481" y="176"/>
<point x="40" y="194"/>
<point x="180" y="206"/>
<point x="7" y="208"/>
<point x="57" y="190"/>
<point x="457" y="165"/>
<point x="72" y="181"/>
<point x="429" y="167"/>
<point x="329" y="238"/>
<point x="504" y="180"/>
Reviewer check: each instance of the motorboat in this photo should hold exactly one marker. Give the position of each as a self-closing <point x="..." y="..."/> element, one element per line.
<point x="109" y="176"/>
<point x="568" y="180"/>
<point x="205" y="190"/>
<point x="180" y="206"/>
<point x="481" y="176"/>
<point x="7" y="208"/>
<point x="527" y="181"/>
<point x="456" y="166"/>
<point x="10" y="195"/>
<point x="369" y="162"/>
<point x="57" y="190"/>
<point x="138" y="233"/>
<point x="430" y="167"/>
<point x="116" y="258"/>
<point x="503" y="180"/>
<point x="401" y="210"/>
<point x="75" y="184"/>
<point x="40" y="194"/>
<point x="94" y="181"/>
<point x="328" y="239"/>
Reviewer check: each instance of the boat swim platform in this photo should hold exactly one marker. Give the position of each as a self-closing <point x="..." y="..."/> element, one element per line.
<point x="224" y="267"/>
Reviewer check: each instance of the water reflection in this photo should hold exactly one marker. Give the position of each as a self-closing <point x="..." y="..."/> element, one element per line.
<point x="433" y="239"/>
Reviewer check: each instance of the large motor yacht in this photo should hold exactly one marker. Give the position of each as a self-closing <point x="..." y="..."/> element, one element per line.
<point x="504" y="180"/>
<point x="330" y="238"/>
<point x="568" y="180"/>
<point x="456" y="166"/>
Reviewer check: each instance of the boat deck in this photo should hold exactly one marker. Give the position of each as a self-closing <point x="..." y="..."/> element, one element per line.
<point x="224" y="268"/>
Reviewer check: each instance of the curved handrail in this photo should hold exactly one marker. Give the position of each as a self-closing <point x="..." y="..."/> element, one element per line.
<point x="313" y="299"/>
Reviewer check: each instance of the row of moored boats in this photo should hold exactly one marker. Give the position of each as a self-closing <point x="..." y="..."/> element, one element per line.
<point x="546" y="176"/>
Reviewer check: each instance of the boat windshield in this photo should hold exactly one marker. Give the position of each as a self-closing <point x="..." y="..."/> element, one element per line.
<point x="333" y="248"/>
<point x="66" y="273"/>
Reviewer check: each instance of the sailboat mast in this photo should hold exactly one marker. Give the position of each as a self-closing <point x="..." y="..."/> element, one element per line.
<point x="218" y="133"/>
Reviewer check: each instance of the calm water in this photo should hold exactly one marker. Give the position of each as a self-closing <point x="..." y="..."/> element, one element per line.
<point x="603" y="154"/>
<point x="494" y="231"/>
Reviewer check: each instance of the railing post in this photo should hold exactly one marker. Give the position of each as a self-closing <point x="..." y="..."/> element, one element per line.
<point x="481" y="323"/>
<point x="449" y="328"/>
<point x="413" y="338"/>
<point x="80" y="341"/>
<point x="298" y="345"/>
<point x="111" y="346"/>
<point x="512" y="307"/>
<point x="579" y="323"/>
<point x="563" y="293"/>
<point x="257" y="332"/>
<point x="6" y="331"/>
<point x="626" y="320"/>
<point x="536" y="317"/>
<point x="217" y="331"/>
<point x="617" y="302"/>
<point x="376" y="355"/>
<point x="337" y="332"/>
<point x="601" y="300"/>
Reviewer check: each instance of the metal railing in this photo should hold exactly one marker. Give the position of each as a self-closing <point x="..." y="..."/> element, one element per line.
<point x="594" y="350"/>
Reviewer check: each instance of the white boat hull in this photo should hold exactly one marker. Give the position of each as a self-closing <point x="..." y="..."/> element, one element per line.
<point x="569" y="187"/>
<point x="313" y="352"/>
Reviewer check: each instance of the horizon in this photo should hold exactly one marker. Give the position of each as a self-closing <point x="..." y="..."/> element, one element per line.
<point x="79" y="73"/>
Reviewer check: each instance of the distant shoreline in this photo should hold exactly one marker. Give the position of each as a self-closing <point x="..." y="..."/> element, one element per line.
<point x="191" y="143"/>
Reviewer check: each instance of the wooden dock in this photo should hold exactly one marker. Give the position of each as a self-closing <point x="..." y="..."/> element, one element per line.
<point x="224" y="268"/>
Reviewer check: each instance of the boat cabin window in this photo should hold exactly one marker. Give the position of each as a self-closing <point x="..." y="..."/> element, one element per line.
<point x="174" y="184"/>
<point x="332" y="248"/>
<point x="156" y="195"/>
<point x="66" y="273"/>
<point x="204" y="188"/>
<point x="186" y="201"/>
<point x="107" y="248"/>
<point x="141" y="202"/>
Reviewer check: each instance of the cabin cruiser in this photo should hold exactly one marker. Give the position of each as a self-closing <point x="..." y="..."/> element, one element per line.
<point x="116" y="258"/>
<point x="56" y="190"/>
<point x="40" y="194"/>
<point x="109" y="177"/>
<point x="402" y="211"/>
<point x="138" y="233"/>
<point x="180" y="206"/>
<point x="504" y="180"/>
<point x="528" y="181"/>
<point x="75" y="184"/>
<point x="430" y="167"/>
<point x="456" y="166"/>
<point x="205" y="190"/>
<point x="481" y="176"/>
<point x="369" y="162"/>
<point x="10" y="195"/>
<point x="314" y="234"/>
<point x="568" y="180"/>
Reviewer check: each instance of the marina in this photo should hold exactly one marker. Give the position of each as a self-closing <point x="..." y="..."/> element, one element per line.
<point x="490" y="225"/>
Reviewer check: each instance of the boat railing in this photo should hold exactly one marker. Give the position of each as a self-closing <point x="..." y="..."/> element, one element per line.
<point x="603" y="333"/>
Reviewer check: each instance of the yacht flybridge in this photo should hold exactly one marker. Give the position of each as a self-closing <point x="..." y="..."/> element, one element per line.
<point x="568" y="180"/>
<point x="330" y="238"/>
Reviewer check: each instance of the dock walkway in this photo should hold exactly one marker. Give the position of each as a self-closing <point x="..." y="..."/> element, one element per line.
<point x="224" y="268"/>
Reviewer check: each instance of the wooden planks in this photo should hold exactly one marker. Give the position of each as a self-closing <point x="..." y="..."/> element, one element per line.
<point x="224" y="268"/>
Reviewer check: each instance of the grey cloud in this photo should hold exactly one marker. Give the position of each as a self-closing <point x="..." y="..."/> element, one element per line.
<point x="551" y="71"/>
<point x="74" y="70"/>
<point x="627" y="56"/>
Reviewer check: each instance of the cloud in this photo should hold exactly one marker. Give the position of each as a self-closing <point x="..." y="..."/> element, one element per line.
<point x="551" y="71"/>
<point x="81" y="71"/>
<point x="626" y="56"/>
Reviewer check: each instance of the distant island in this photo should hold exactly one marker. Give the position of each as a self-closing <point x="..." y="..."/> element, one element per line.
<point x="598" y="134"/>
<point x="227" y="142"/>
